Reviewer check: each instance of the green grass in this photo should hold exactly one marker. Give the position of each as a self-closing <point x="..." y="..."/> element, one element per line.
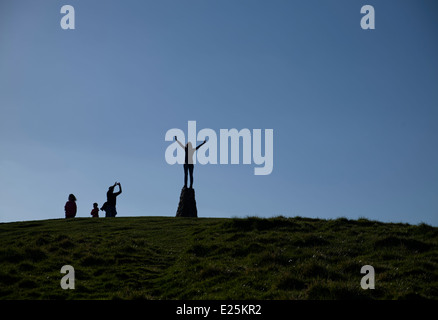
<point x="206" y="258"/>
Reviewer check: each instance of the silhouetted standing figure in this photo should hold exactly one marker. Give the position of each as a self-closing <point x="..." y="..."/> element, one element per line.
<point x="188" y="162"/>
<point x="95" y="212"/>
<point x="111" y="197"/>
<point x="70" y="207"/>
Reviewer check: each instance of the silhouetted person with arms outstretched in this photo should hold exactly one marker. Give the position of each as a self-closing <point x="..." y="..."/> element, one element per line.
<point x="111" y="196"/>
<point x="70" y="207"/>
<point x="188" y="162"/>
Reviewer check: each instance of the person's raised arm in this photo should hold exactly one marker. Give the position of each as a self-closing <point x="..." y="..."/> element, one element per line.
<point x="120" y="189"/>
<point x="182" y="146"/>
<point x="201" y="144"/>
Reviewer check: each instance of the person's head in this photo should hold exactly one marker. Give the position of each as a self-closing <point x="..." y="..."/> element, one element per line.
<point x="111" y="188"/>
<point x="189" y="145"/>
<point x="95" y="205"/>
<point x="71" y="197"/>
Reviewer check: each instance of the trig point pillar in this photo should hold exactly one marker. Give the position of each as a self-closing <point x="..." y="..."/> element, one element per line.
<point x="187" y="203"/>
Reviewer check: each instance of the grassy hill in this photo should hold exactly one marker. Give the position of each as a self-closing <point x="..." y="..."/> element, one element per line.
<point x="206" y="258"/>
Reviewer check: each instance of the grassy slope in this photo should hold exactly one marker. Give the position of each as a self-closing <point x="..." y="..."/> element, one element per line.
<point x="186" y="258"/>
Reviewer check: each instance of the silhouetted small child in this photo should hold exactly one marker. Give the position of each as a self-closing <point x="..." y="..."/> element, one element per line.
<point x="95" y="211"/>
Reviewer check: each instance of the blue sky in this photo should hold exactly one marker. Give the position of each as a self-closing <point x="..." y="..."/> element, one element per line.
<point x="354" y="112"/>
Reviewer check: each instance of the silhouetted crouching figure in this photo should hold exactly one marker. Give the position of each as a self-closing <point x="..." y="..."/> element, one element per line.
<point x="188" y="162"/>
<point x="104" y="208"/>
<point x="111" y="197"/>
<point x="70" y="207"/>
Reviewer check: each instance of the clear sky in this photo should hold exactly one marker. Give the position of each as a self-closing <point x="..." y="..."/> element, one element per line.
<point x="354" y="112"/>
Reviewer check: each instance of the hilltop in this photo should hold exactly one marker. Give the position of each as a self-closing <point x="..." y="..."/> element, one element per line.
<point x="212" y="258"/>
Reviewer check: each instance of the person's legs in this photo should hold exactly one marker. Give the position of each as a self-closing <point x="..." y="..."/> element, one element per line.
<point x="191" y="166"/>
<point x="185" y="174"/>
<point x="110" y="212"/>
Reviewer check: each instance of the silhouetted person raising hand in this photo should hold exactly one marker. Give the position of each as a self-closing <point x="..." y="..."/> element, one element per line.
<point x="110" y="205"/>
<point x="188" y="162"/>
